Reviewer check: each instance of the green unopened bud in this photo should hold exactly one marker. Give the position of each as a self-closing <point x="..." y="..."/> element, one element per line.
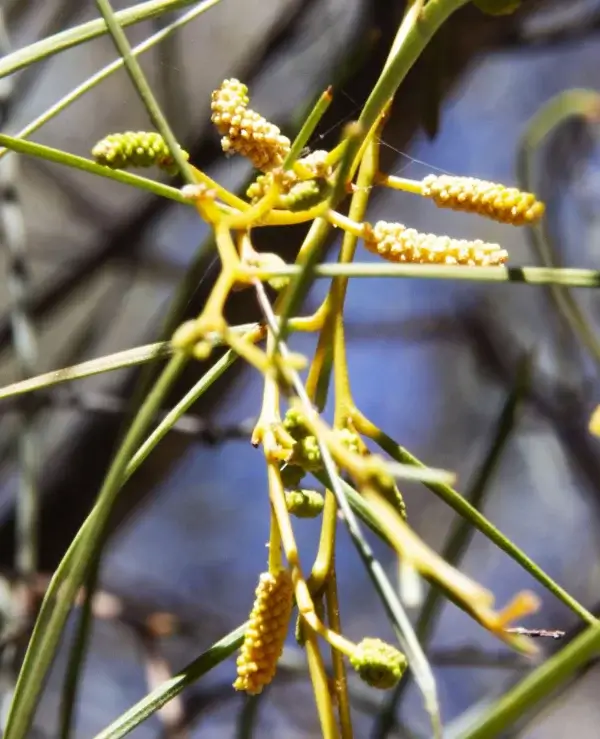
<point x="350" y="440"/>
<point x="295" y="424"/>
<point x="135" y="149"/>
<point x="304" y="503"/>
<point x="292" y="476"/>
<point x="307" y="454"/>
<point x="304" y="195"/>
<point x="379" y="664"/>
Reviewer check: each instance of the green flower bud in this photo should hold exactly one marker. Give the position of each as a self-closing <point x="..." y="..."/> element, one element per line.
<point x="135" y="149"/>
<point x="307" y="454"/>
<point x="379" y="664"/>
<point x="304" y="195"/>
<point x="295" y="424"/>
<point x="292" y="476"/>
<point x="304" y="503"/>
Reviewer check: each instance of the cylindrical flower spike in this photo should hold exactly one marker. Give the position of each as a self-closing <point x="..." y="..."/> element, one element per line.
<point x="265" y="636"/>
<point x="379" y="664"/>
<point x="229" y="103"/>
<point x="304" y="503"/>
<point x="500" y="203"/>
<point x="135" y="149"/>
<point x="244" y="131"/>
<point x="396" y="243"/>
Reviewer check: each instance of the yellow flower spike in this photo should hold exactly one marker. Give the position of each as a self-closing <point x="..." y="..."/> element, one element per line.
<point x="378" y="664"/>
<point x="228" y="104"/>
<point x="135" y="149"/>
<point x="266" y="632"/>
<point x="396" y="243"/>
<point x="244" y="131"/>
<point x="504" y="204"/>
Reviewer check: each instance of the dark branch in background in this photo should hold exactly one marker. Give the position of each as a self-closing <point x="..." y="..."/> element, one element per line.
<point x="561" y="404"/>
<point x="65" y="399"/>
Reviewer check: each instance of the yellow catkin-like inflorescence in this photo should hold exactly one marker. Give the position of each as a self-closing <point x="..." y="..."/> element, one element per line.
<point x="265" y="636"/>
<point x="135" y="149"/>
<point x="500" y="203"/>
<point x="244" y="131"/>
<point x="396" y="243"/>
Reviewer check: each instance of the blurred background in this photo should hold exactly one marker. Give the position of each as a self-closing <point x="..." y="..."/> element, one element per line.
<point x="432" y="363"/>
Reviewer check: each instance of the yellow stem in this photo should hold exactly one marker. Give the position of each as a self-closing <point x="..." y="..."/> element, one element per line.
<point x="225" y="246"/>
<point x="320" y="357"/>
<point x="275" y="559"/>
<point x="320" y="685"/>
<point x="314" y="322"/>
<point x="326" y="551"/>
<point x="304" y="599"/>
<point x="474" y="598"/>
<point x="288" y="218"/>
<point x="339" y="668"/>
<point x="247" y="350"/>
<point x="222" y="193"/>
<point x="358" y="208"/>
<point x="211" y="318"/>
<point x="399" y="183"/>
<point x="270" y="415"/>
<point x="257" y="213"/>
<point x="349" y="225"/>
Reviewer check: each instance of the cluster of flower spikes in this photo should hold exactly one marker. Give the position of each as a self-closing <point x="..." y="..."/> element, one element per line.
<point x="266" y="632"/>
<point x="397" y="243"/>
<point x="244" y="131"/>
<point x="305" y="457"/>
<point x="297" y="193"/>
<point x="489" y="199"/>
<point x="306" y="453"/>
<point x="135" y="149"/>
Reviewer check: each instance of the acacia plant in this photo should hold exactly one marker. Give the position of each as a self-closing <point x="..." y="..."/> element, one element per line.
<point x="327" y="189"/>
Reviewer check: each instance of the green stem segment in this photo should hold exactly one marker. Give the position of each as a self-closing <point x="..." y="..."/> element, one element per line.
<point x="87" y="165"/>
<point x="571" y="104"/>
<point x="73" y="568"/>
<point x="155" y="700"/>
<point x="47" y="47"/>
<point x="138" y="78"/>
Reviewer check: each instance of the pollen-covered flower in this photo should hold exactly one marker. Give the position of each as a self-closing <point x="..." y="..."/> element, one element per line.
<point x="265" y="636"/>
<point x="228" y="104"/>
<point x="304" y="503"/>
<point x="135" y="149"/>
<point x="379" y="664"/>
<point x="245" y="131"/>
<point x="500" y="203"/>
<point x="396" y="243"/>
